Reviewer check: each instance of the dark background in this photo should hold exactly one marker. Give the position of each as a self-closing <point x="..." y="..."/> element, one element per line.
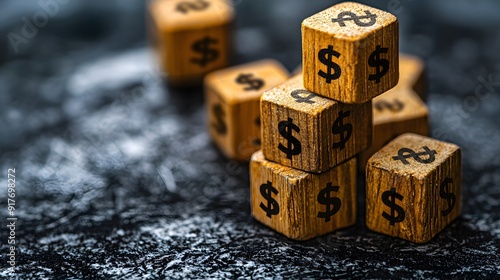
<point x="116" y="175"/>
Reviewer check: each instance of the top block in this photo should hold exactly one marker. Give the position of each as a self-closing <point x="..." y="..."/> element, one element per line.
<point x="350" y="52"/>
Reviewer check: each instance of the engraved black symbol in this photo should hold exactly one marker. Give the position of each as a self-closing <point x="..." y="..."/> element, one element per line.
<point x="405" y="153"/>
<point x="186" y="6"/>
<point x="303" y="96"/>
<point x="208" y="54"/>
<point x="220" y="126"/>
<point x="293" y="147"/>
<point x="381" y="65"/>
<point x="395" y="106"/>
<point x="389" y="199"/>
<point x="446" y="193"/>
<point x="253" y="83"/>
<point x="325" y="56"/>
<point x="332" y="203"/>
<point x="344" y="130"/>
<point x="347" y="15"/>
<point x="267" y="190"/>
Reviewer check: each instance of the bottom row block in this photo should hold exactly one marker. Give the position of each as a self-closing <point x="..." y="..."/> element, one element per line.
<point x="413" y="187"/>
<point x="299" y="204"/>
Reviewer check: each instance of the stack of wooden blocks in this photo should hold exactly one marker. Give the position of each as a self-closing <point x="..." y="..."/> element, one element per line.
<point x="308" y="135"/>
<point x="319" y="124"/>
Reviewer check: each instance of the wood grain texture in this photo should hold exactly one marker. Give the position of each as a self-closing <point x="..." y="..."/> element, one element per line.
<point x="297" y="198"/>
<point x="354" y="45"/>
<point x="395" y="112"/>
<point x="236" y="92"/>
<point x="424" y="187"/>
<point x="316" y="118"/>
<point x="184" y="29"/>
<point x="413" y="74"/>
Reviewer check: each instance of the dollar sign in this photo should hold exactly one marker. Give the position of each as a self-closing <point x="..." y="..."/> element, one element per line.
<point x="219" y="114"/>
<point x="445" y="193"/>
<point x="253" y="84"/>
<point x="267" y="190"/>
<point x="285" y="128"/>
<point x="405" y="153"/>
<point x="389" y="199"/>
<point x="345" y="130"/>
<point x="325" y="56"/>
<point x="375" y="61"/>
<point x="347" y="15"/>
<point x="396" y="106"/>
<point x="208" y="54"/>
<point x="325" y="199"/>
<point x="199" y="5"/>
<point x="297" y="94"/>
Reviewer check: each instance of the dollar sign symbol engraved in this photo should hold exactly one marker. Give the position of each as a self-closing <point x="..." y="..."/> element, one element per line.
<point x="256" y="141"/>
<point x="267" y="190"/>
<point x="286" y="130"/>
<point x="253" y="84"/>
<point x="445" y="193"/>
<point x="345" y="130"/>
<point x="405" y="153"/>
<point x="375" y="61"/>
<point x="207" y="54"/>
<point x="219" y="114"/>
<point x="198" y="5"/>
<point x="325" y="199"/>
<point x="297" y="94"/>
<point x="347" y="15"/>
<point x="325" y="56"/>
<point x="396" y="106"/>
<point x="389" y="199"/>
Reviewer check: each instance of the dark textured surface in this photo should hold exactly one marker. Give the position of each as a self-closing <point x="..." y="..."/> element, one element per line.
<point x="116" y="175"/>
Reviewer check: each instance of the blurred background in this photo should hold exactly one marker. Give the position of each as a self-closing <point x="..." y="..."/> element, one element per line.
<point x="116" y="174"/>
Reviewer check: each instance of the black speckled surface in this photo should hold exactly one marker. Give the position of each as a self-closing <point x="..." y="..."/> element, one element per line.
<point x="117" y="177"/>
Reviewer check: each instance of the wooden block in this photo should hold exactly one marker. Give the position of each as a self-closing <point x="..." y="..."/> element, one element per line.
<point x="302" y="205"/>
<point x="395" y="112"/>
<point x="350" y="52"/>
<point x="413" y="188"/>
<point x="192" y="37"/>
<point x="305" y="131"/>
<point x="412" y="74"/>
<point x="233" y="105"/>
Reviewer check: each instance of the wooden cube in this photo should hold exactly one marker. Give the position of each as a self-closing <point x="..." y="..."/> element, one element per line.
<point x="302" y="205"/>
<point x="413" y="188"/>
<point x="395" y="112"/>
<point x="232" y="98"/>
<point x="305" y="131"/>
<point x="192" y="37"/>
<point x="412" y="74"/>
<point x="350" y="52"/>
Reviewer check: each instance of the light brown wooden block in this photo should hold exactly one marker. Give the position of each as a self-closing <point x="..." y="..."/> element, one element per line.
<point x="412" y="74"/>
<point x="305" y="131"/>
<point x="192" y="37"/>
<point x="395" y="112"/>
<point x="413" y="188"/>
<point x="302" y="205"/>
<point x="350" y="52"/>
<point x="232" y="101"/>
